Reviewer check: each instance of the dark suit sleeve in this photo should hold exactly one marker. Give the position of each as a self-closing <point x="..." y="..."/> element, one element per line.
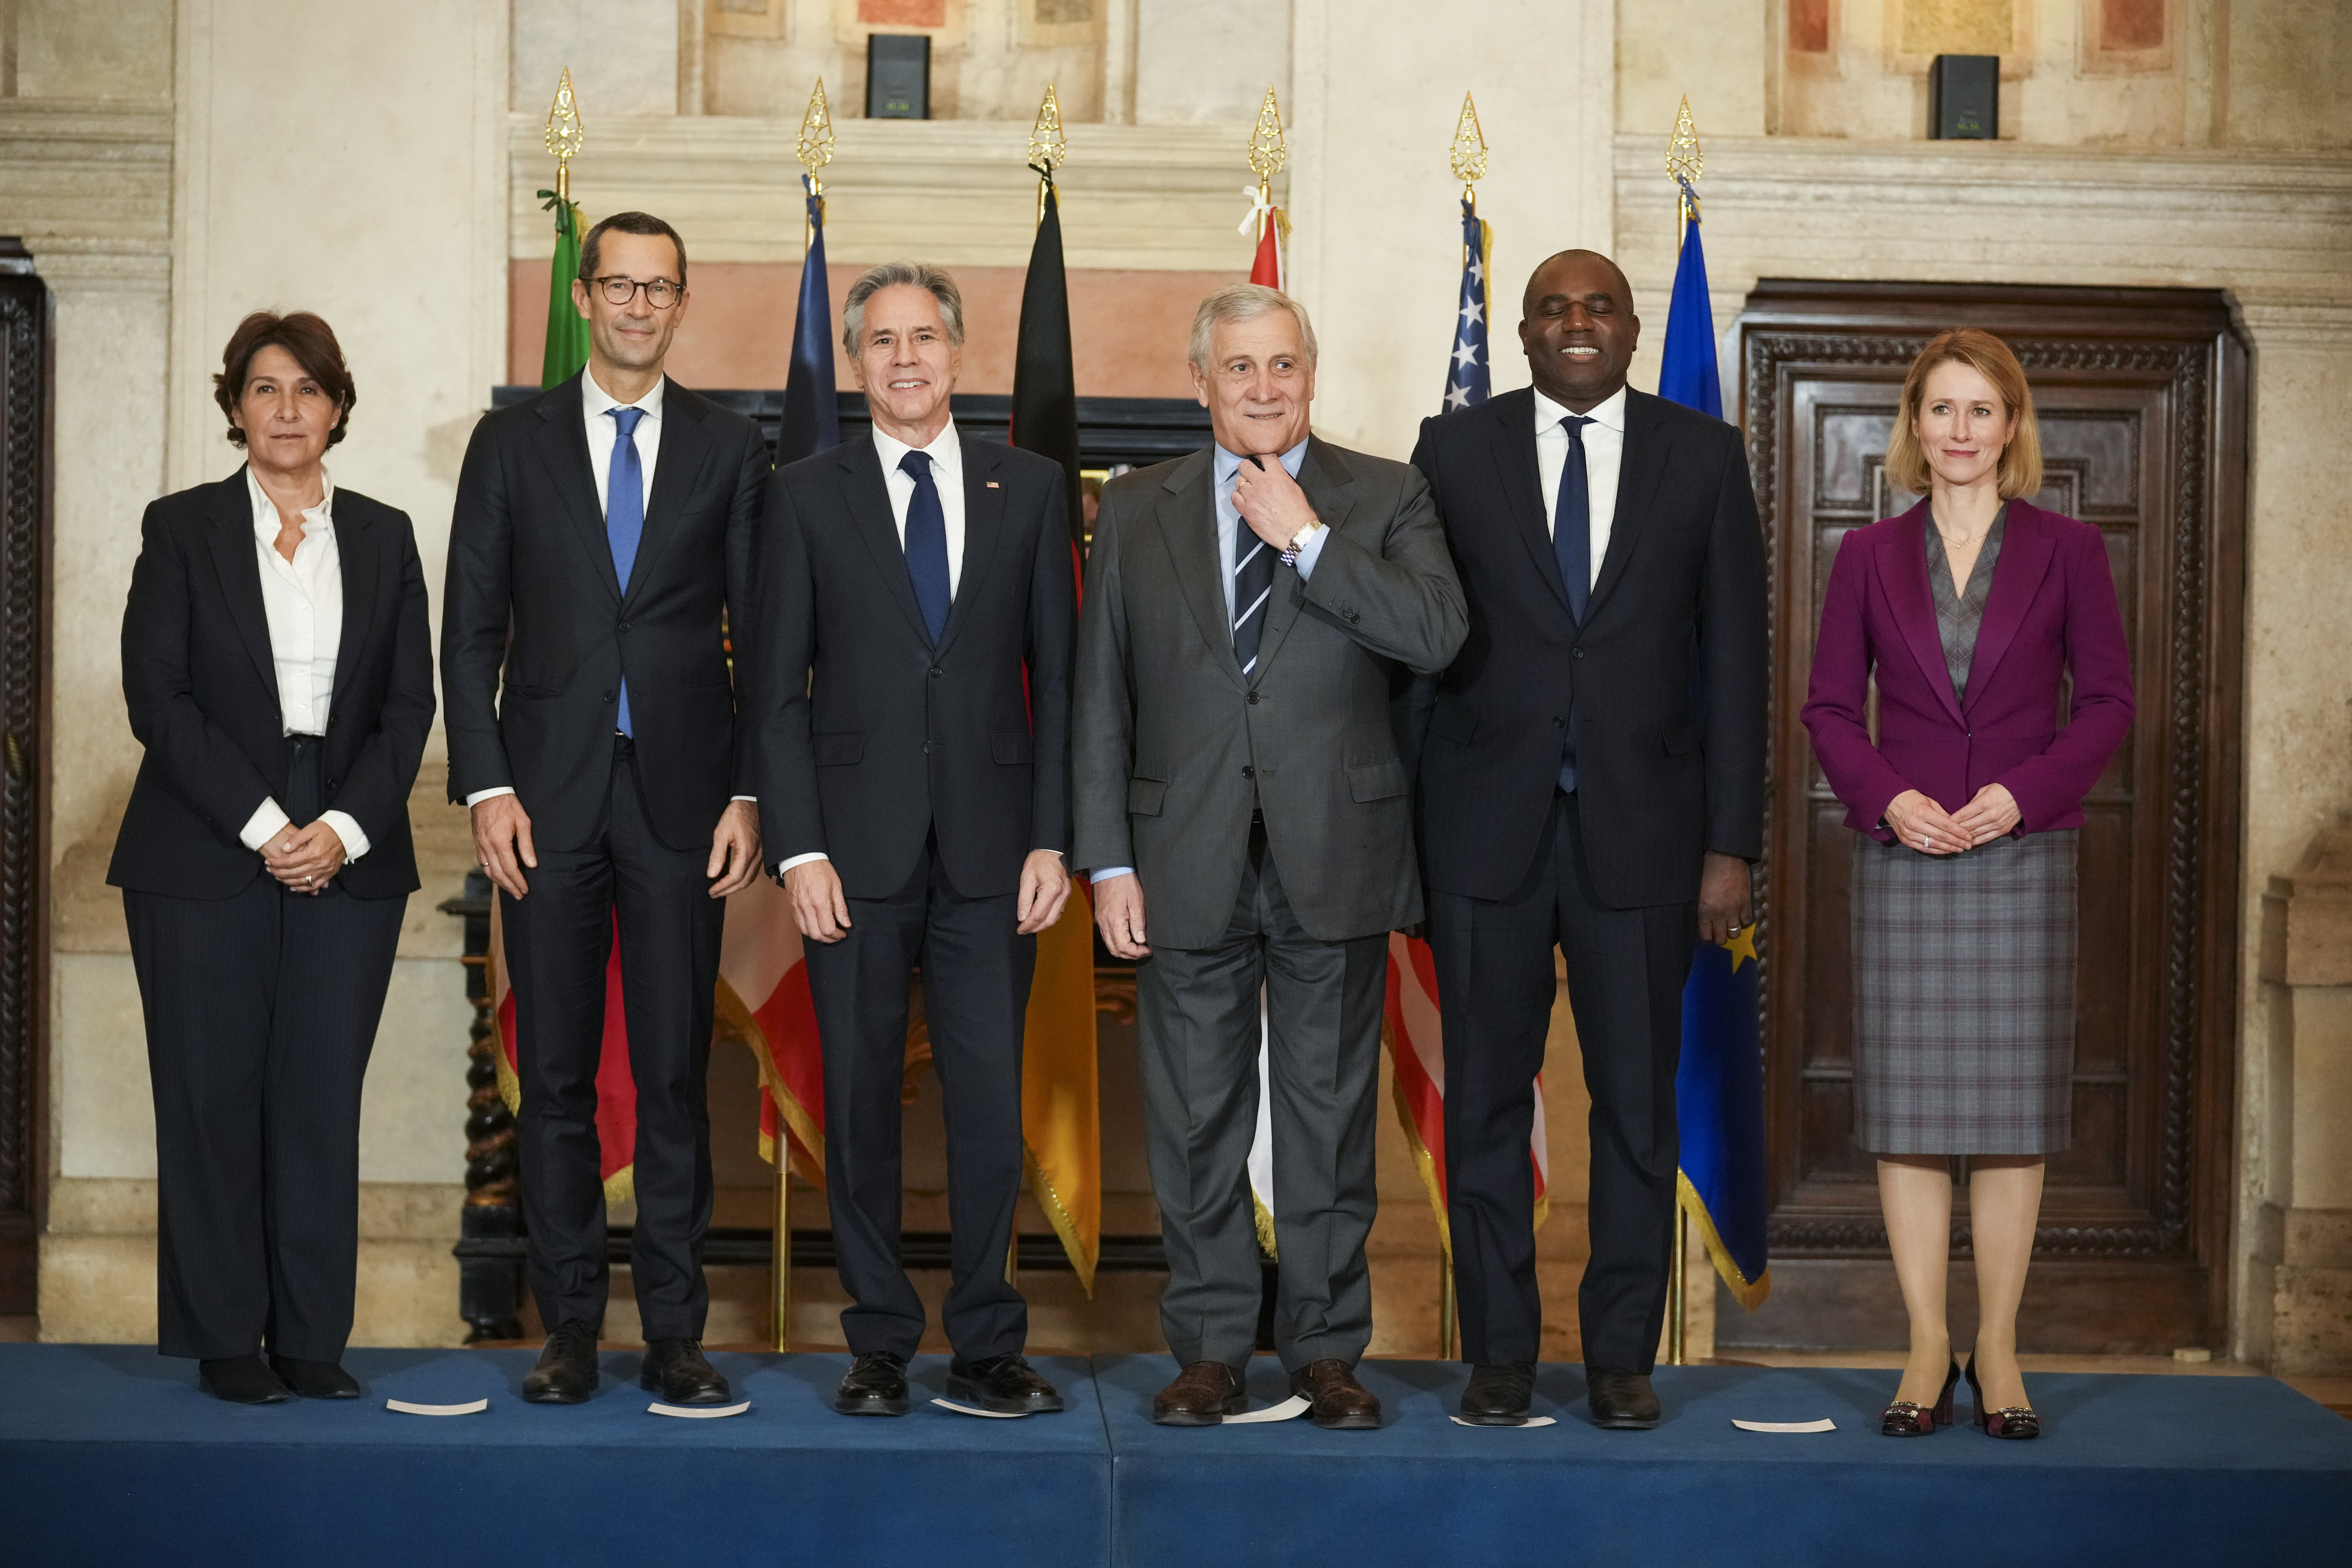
<point x="784" y="610"/>
<point x="1412" y="693"/>
<point x="1733" y="654"/>
<point x="475" y="608"/>
<point x="1053" y="611"/>
<point x="1402" y="601"/>
<point x="744" y="528"/>
<point x="1102" y="748"/>
<point x="374" y="790"/>
<point x="200" y="763"/>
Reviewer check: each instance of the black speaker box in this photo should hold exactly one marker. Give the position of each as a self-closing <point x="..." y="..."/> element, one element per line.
<point x="1963" y="98"/>
<point x="898" y="76"/>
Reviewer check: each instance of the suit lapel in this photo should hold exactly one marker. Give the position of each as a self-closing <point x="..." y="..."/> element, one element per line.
<point x="983" y="528"/>
<point x="2026" y="549"/>
<point x="231" y="513"/>
<point x="685" y="447"/>
<point x="1515" y="458"/>
<point x="867" y="500"/>
<point x="1328" y="483"/>
<point x="1903" y="572"/>
<point x="1187" y="514"/>
<point x="1640" y="471"/>
<point x="358" y="548"/>
<point x="563" y="451"/>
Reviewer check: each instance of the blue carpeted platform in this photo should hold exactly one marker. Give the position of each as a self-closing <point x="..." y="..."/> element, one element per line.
<point x="109" y="1455"/>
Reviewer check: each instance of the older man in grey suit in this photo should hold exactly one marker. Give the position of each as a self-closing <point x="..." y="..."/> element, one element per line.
<point x="1236" y="775"/>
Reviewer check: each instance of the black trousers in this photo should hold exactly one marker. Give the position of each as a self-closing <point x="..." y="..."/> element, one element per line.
<point x="1197" y="1012"/>
<point x="260" y="1009"/>
<point x="1496" y="985"/>
<point x="559" y="938"/>
<point x="976" y="970"/>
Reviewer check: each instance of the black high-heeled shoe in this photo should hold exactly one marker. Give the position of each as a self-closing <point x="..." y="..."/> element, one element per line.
<point x="1908" y="1419"/>
<point x="2012" y="1421"/>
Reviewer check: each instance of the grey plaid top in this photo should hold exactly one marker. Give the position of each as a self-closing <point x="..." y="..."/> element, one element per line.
<point x="1959" y="615"/>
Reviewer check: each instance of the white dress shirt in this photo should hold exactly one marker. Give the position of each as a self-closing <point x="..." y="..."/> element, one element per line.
<point x="1224" y="467"/>
<point x="946" y="452"/>
<point x="303" y="602"/>
<point x="1604" y="455"/>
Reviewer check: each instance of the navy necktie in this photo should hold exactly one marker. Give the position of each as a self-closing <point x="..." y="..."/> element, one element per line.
<point x="624" y="516"/>
<point x="926" y="544"/>
<point x="1571" y="544"/>
<point x="1253" y="588"/>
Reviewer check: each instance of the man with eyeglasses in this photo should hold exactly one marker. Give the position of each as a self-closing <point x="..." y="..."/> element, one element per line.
<point x="604" y="531"/>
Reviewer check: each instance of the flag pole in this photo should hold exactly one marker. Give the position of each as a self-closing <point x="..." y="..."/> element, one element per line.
<point x="1047" y="146"/>
<point x="564" y="135"/>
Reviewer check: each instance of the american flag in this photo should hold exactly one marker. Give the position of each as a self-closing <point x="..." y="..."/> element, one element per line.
<point x="1466" y="379"/>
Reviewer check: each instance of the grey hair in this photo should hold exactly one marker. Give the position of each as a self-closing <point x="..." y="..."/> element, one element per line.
<point x="1243" y="302"/>
<point x="889" y="275"/>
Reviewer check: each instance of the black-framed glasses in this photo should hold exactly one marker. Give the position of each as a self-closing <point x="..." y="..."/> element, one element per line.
<point x="660" y="293"/>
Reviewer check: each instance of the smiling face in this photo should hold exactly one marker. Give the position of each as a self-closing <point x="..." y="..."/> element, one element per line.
<point x="1579" y="328"/>
<point x="1259" y="384"/>
<point x="906" y="363"/>
<point x="634" y="338"/>
<point x="1962" y="425"/>
<point x="286" y="415"/>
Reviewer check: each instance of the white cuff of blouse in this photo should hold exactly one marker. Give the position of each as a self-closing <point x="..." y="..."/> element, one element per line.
<point x="269" y="819"/>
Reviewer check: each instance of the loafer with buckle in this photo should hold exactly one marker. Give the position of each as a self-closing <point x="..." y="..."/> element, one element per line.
<point x="1005" y="1384"/>
<point x="681" y="1374"/>
<point x="566" y="1371"/>
<point x="876" y="1386"/>
<point x="1335" y="1401"/>
<point x="315" y="1379"/>
<point x="1621" y="1399"/>
<point x="1203" y="1394"/>
<point x="1499" y="1393"/>
<point x="240" y="1380"/>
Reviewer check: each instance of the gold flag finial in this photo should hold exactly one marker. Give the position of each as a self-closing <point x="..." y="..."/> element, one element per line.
<point x="815" y="148"/>
<point x="1047" y="148"/>
<point x="1267" y="152"/>
<point x="1469" y="147"/>
<point x="1684" y="163"/>
<point x="563" y="134"/>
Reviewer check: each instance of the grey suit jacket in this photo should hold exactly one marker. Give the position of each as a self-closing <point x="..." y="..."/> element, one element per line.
<point x="1172" y="749"/>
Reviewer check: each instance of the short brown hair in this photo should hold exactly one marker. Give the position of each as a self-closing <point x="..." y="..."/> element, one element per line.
<point x="311" y="343"/>
<point x="591" y="249"/>
<point x="2020" y="461"/>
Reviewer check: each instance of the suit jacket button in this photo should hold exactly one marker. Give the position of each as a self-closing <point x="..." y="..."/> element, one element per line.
<point x="1576" y="653"/>
<point x="1249" y="772"/>
<point x="622" y="627"/>
<point x="937" y="672"/>
<point x="608" y="697"/>
<point x="927" y="748"/>
<point x="1253" y="696"/>
<point x="1558" y="724"/>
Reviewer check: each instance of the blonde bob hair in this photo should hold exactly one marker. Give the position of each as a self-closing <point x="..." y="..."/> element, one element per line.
<point x="2020" y="461"/>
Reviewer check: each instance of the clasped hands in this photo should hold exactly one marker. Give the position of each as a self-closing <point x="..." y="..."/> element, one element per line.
<point x="821" y="909"/>
<point x="304" y="859"/>
<point x="1924" y="826"/>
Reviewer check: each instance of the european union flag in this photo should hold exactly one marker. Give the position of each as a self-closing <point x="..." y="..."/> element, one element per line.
<point x="1719" y="1086"/>
<point x="812" y="419"/>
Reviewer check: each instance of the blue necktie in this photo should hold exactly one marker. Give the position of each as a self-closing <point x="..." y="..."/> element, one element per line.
<point x="926" y="544"/>
<point x="1571" y="544"/>
<point x="624" y="516"/>
<point x="1253" y="588"/>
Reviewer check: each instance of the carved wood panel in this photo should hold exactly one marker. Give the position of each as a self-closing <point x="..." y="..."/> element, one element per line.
<point x="2141" y="399"/>
<point x="24" y="858"/>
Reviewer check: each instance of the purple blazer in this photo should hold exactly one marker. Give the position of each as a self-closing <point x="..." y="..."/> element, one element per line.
<point x="2051" y="608"/>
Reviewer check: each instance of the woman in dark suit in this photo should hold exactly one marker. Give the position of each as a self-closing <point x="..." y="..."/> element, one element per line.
<point x="1968" y="609"/>
<point x="278" y="671"/>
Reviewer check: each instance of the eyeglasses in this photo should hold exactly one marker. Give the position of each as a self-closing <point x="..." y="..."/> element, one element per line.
<point x="660" y="293"/>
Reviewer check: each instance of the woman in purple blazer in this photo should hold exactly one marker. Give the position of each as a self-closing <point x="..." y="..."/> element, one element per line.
<point x="1968" y="609"/>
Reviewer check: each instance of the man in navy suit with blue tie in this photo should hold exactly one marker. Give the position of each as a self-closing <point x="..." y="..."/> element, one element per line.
<point x="602" y="540"/>
<point x="916" y="611"/>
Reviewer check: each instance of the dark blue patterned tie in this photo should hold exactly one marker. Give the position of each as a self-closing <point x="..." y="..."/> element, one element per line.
<point x="926" y="544"/>
<point x="1253" y="587"/>
<point x="624" y="516"/>
<point x="1571" y="544"/>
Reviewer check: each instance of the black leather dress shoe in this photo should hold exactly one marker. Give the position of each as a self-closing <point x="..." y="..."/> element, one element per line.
<point x="1004" y="1383"/>
<point x="876" y="1386"/>
<point x="315" y="1379"/>
<point x="1621" y="1398"/>
<point x="1335" y="1401"/>
<point x="1498" y="1393"/>
<point x="566" y="1372"/>
<point x="240" y="1380"/>
<point x="677" y="1371"/>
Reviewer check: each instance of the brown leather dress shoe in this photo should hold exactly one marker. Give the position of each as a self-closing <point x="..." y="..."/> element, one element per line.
<point x="1337" y="1401"/>
<point x="1203" y="1394"/>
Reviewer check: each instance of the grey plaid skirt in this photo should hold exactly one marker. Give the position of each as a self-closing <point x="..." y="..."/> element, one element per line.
<point x="1964" y="998"/>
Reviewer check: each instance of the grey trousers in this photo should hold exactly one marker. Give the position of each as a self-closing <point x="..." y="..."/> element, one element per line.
<point x="1198" y="1016"/>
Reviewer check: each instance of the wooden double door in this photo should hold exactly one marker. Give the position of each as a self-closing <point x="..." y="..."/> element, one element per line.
<point x="2141" y="397"/>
